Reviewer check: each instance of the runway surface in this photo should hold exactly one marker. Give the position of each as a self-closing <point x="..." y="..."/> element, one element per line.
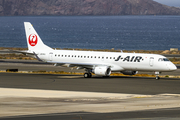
<point x="131" y="85"/>
<point x="163" y="102"/>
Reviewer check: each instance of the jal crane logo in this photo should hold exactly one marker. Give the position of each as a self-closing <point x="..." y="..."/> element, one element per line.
<point x="33" y="39"/>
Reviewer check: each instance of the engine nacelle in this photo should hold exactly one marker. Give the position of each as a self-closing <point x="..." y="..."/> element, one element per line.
<point x="102" y="71"/>
<point x="129" y="72"/>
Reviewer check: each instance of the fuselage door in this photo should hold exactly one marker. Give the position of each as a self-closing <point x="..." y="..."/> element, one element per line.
<point x="50" y="56"/>
<point x="151" y="61"/>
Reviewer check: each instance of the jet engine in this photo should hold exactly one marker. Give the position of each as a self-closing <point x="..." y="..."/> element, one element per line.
<point x="102" y="70"/>
<point x="129" y="72"/>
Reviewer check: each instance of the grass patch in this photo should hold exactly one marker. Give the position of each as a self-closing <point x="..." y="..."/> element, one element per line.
<point x="167" y="76"/>
<point x="15" y="56"/>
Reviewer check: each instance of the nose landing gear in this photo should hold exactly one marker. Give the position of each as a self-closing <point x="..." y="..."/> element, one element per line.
<point x="157" y="75"/>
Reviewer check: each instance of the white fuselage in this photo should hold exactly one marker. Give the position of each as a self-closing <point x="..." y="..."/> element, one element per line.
<point x="116" y="60"/>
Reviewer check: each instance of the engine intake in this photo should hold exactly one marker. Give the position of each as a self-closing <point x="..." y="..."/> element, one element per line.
<point x="129" y="72"/>
<point x="103" y="71"/>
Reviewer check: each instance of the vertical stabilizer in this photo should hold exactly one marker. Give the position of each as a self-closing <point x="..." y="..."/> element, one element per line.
<point x="34" y="42"/>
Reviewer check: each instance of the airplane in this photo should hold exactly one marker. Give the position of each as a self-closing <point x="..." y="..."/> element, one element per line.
<point x="99" y="63"/>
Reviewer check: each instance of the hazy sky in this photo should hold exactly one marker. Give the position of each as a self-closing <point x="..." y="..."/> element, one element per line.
<point x="175" y="3"/>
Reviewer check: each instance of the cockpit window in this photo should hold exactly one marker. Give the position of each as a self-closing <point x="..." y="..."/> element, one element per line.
<point x="163" y="59"/>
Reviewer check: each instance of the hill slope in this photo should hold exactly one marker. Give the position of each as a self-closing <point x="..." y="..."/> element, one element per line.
<point x="84" y="7"/>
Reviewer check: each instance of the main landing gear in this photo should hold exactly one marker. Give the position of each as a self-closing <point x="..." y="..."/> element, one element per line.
<point x="88" y="73"/>
<point x="157" y="75"/>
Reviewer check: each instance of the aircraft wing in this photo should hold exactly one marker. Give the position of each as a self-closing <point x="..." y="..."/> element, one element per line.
<point x="23" y="52"/>
<point x="83" y="65"/>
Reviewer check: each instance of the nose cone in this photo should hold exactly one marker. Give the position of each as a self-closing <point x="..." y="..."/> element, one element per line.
<point x="172" y="67"/>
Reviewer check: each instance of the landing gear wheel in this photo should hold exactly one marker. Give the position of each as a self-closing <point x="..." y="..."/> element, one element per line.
<point x="157" y="77"/>
<point x="87" y="75"/>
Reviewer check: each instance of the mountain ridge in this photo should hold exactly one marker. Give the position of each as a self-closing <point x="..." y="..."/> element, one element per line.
<point x="84" y="7"/>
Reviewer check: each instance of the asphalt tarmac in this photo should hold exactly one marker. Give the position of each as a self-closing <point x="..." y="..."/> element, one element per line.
<point x="130" y="85"/>
<point x="160" y="114"/>
<point x="114" y="84"/>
